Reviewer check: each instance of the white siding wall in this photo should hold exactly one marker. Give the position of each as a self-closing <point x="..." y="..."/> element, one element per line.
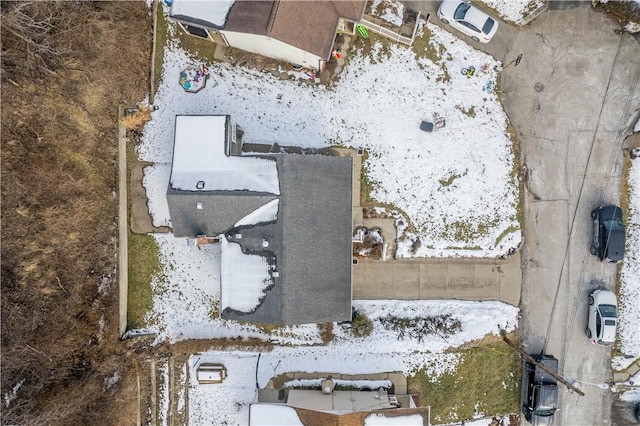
<point x="272" y="48"/>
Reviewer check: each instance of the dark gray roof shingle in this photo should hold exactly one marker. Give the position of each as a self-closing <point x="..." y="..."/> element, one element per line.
<point x="311" y="241"/>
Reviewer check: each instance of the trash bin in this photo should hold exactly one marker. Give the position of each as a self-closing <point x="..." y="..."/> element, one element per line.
<point x="425" y="126"/>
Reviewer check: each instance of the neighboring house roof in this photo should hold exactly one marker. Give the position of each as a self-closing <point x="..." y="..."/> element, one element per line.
<point x="280" y="414"/>
<point x="309" y="25"/>
<point x="207" y="13"/>
<point x="251" y="17"/>
<point x="399" y="416"/>
<point x="312" y="25"/>
<point x="286" y="255"/>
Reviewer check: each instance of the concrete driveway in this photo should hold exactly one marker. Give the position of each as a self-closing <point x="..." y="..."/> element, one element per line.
<point x="497" y="47"/>
<point x="572" y="100"/>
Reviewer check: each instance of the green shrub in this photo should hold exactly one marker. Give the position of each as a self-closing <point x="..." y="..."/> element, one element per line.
<point x="361" y="326"/>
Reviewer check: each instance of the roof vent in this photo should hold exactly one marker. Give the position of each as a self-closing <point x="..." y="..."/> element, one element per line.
<point x="265" y="243"/>
<point x="200" y="184"/>
<point x="199" y="206"/>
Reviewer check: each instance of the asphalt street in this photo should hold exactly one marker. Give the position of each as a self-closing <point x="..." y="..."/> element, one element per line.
<point x="572" y="100"/>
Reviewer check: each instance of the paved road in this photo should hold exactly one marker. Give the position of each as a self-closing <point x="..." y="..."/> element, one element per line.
<point x="499" y="45"/>
<point x="571" y="100"/>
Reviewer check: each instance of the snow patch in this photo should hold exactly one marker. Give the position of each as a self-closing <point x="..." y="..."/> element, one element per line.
<point x="265" y="213"/>
<point x="244" y="278"/>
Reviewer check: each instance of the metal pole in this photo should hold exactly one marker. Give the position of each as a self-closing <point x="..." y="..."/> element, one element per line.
<point x="542" y="367"/>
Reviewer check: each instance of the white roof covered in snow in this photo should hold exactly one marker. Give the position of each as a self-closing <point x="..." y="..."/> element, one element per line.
<point x="199" y="156"/>
<point x="382" y="420"/>
<point x="213" y="11"/>
<point x="273" y="415"/>
<point x="246" y="275"/>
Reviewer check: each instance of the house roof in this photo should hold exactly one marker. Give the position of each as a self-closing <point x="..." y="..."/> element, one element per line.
<point x="252" y="17"/>
<point x="309" y="243"/>
<point x="339" y="402"/>
<point x="309" y="25"/>
<point x="286" y="255"/>
<point x="206" y="13"/>
<point x="199" y="158"/>
<point x="219" y="212"/>
<point x="397" y="416"/>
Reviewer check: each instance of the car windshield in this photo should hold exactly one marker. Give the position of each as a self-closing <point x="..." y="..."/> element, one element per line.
<point x="608" y="311"/>
<point x="613" y="225"/>
<point x="461" y="10"/>
<point x="544" y="411"/>
<point x="488" y="26"/>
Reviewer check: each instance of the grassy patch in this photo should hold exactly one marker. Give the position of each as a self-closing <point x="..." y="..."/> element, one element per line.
<point x="161" y="44"/>
<point x="464" y="231"/>
<point x="487" y="375"/>
<point x="504" y="233"/>
<point x="516" y="175"/>
<point x="469" y="112"/>
<point x="366" y="45"/>
<point x="143" y="265"/>
<point x="448" y="181"/>
<point x="418" y="328"/>
<point x="326" y="332"/>
<point x="423" y="49"/>
<point x="463" y="248"/>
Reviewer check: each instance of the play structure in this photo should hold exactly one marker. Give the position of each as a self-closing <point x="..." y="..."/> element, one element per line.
<point x="193" y="79"/>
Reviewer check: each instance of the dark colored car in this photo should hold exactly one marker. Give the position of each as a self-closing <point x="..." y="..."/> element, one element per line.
<point x="608" y="234"/>
<point x="541" y="400"/>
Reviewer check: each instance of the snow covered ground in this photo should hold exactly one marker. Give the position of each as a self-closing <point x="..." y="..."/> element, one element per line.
<point x="457" y="175"/>
<point x="455" y="185"/>
<point x="382" y="351"/>
<point x="629" y="293"/>
<point x="513" y="10"/>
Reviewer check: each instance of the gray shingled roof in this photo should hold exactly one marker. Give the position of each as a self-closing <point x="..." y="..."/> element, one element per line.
<point x="311" y="242"/>
<point x="220" y="210"/>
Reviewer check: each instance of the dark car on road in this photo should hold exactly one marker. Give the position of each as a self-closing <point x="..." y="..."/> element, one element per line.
<point x="608" y="234"/>
<point x="541" y="400"/>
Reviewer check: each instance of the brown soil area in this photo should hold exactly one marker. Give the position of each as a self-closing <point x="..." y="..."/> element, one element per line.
<point x="66" y="66"/>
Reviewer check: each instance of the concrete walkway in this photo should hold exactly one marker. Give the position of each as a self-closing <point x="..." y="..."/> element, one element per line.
<point x="465" y="279"/>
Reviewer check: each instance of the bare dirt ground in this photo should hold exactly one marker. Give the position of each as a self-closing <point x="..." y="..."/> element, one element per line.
<point x="66" y="66"/>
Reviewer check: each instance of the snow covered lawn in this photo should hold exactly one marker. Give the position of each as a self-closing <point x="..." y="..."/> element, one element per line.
<point x="382" y="351"/>
<point x="456" y="186"/>
<point x="629" y="294"/>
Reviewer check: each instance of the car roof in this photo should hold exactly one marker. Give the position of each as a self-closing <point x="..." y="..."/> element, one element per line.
<point x="610" y="211"/>
<point x="476" y="16"/>
<point x="605" y="297"/>
<point x="548" y="396"/>
<point x="551" y="364"/>
<point x="609" y="331"/>
<point x="615" y="245"/>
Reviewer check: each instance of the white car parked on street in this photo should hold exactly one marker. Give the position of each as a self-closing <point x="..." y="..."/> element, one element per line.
<point x="468" y="19"/>
<point x="603" y="317"/>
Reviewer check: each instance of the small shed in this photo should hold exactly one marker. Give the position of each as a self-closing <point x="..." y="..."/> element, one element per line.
<point x="208" y="373"/>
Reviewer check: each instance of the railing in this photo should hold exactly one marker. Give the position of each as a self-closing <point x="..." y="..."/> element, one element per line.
<point x="385" y="32"/>
<point x="375" y="24"/>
